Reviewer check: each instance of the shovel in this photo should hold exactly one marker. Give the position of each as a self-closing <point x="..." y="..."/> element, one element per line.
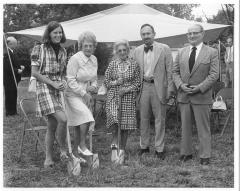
<point x="95" y="158"/>
<point x="73" y="165"/>
<point x="120" y="152"/>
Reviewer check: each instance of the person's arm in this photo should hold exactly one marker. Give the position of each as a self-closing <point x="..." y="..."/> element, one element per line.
<point x="35" y="66"/>
<point x="72" y="70"/>
<point x="176" y="72"/>
<point x="213" y="73"/>
<point x="135" y="85"/>
<point x="168" y="66"/>
<point x="109" y="82"/>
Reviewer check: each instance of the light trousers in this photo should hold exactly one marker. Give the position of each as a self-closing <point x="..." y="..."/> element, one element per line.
<point x="150" y="104"/>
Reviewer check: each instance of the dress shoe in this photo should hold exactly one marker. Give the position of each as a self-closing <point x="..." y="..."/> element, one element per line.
<point x="204" y="161"/>
<point x="160" y="155"/>
<point x="86" y="152"/>
<point x="185" y="158"/>
<point x="142" y="151"/>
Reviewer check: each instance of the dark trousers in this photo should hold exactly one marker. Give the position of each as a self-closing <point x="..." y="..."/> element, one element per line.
<point x="10" y="99"/>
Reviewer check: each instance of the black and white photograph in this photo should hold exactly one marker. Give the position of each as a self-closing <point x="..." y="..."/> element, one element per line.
<point x="120" y="95"/>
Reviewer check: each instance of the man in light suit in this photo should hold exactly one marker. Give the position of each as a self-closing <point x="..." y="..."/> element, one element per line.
<point x="194" y="72"/>
<point x="155" y="61"/>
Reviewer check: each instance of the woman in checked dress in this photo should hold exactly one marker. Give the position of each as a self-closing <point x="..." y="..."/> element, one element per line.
<point x="122" y="79"/>
<point x="49" y="72"/>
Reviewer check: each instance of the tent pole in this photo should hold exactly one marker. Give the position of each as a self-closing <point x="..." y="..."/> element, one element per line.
<point x="219" y="53"/>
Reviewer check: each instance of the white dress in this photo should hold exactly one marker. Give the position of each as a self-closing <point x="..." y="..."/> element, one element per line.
<point x="81" y="72"/>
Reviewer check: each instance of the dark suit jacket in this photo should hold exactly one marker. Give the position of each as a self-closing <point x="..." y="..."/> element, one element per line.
<point x="205" y="73"/>
<point x="8" y="78"/>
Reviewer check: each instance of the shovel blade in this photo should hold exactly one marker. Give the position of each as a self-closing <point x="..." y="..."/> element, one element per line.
<point x="74" y="167"/>
<point x="95" y="161"/>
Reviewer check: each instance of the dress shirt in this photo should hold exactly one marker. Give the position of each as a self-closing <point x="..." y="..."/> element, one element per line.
<point x="197" y="51"/>
<point x="148" y="64"/>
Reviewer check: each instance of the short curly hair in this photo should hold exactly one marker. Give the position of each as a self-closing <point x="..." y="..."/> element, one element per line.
<point x="121" y="42"/>
<point x="89" y="36"/>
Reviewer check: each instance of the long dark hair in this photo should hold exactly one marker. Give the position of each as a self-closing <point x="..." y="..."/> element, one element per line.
<point x="46" y="39"/>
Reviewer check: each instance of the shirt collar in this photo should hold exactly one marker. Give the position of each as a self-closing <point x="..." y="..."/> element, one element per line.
<point x="85" y="58"/>
<point x="198" y="46"/>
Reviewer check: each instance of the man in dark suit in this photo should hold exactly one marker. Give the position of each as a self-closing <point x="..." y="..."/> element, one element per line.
<point x="10" y="85"/>
<point x="195" y="71"/>
<point x="155" y="61"/>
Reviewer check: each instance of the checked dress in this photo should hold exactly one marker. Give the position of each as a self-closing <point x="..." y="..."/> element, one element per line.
<point x="48" y="98"/>
<point x="129" y="71"/>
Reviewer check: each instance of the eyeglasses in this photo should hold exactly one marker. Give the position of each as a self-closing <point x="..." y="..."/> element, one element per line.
<point x="193" y="33"/>
<point x="122" y="50"/>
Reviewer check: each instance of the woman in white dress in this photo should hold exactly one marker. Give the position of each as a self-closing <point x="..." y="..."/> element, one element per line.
<point x="82" y="82"/>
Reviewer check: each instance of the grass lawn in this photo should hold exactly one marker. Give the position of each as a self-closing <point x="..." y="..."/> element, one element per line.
<point x="146" y="171"/>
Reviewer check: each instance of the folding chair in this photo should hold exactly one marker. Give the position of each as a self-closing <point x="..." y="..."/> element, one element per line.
<point x="215" y="89"/>
<point x="226" y="94"/>
<point x="172" y="107"/>
<point x="28" y="108"/>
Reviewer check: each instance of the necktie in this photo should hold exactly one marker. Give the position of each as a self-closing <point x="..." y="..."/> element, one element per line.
<point x="192" y="58"/>
<point x="147" y="48"/>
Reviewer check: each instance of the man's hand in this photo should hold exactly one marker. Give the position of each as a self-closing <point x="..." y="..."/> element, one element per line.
<point x="22" y="67"/>
<point x="19" y="71"/>
<point x="186" y="89"/>
<point x="195" y="89"/>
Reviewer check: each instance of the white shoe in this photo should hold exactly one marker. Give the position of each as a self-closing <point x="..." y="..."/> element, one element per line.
<point x="114" y="156"/>
<point x="121" y="157"/>
<point x="86" y="152"/>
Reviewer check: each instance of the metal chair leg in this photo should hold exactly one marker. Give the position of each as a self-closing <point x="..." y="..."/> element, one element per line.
<point x="21" y="144"/>
<point x="36" y="142"/>
<point x="225" y="124"/>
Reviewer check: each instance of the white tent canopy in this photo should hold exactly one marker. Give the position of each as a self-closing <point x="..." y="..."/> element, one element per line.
<point x="124" y="22"/>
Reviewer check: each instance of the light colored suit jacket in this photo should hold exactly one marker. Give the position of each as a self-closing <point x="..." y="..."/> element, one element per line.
<point x="162" y="69"/>
<point x="205" y="73"/>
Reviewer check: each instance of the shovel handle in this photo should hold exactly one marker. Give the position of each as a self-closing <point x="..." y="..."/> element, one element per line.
<point x="119" y="123"/>
<point x="68" y="134"/>
<point x="90" y="140"/>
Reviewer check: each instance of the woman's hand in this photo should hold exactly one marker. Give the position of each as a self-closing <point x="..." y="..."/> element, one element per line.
<point x="119" y="81"/>
<point x="59" y="85"/>
<point x="92" y="89"/>
<point x="88" y="100"/>
<point x="122" y="91"/>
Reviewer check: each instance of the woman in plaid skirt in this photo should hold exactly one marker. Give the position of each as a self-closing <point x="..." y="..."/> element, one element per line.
<point x="122" y="79"/>
<point x="48" y="64"/>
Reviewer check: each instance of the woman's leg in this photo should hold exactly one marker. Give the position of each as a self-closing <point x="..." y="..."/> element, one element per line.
<point x="83" y="133"/>
<point x="76" y="140"/>
<point x="49" y="139"/>
<point x="61" y="130"/>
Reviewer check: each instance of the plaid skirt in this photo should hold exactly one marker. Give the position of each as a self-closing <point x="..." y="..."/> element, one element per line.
<point x="128" y="119"/>
<point x="48" y="100"/>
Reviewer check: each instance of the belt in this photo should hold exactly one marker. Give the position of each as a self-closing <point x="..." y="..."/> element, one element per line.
<point x="148" y="81"/>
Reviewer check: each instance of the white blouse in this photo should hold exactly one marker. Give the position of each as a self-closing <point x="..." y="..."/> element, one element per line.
<point x="81" y="73"/>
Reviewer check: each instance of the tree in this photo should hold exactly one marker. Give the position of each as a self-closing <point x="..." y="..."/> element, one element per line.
<point x="178" y="10"/>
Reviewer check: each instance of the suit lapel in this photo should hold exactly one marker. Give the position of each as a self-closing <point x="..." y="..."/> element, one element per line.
<point x="141" y="56"/>
<point x="186" y="58"/>
<point x="156" y="51"/>
<point x="201" y="56"/>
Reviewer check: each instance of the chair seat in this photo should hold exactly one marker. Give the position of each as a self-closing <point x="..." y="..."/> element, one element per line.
<point x="37" y="128"/>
